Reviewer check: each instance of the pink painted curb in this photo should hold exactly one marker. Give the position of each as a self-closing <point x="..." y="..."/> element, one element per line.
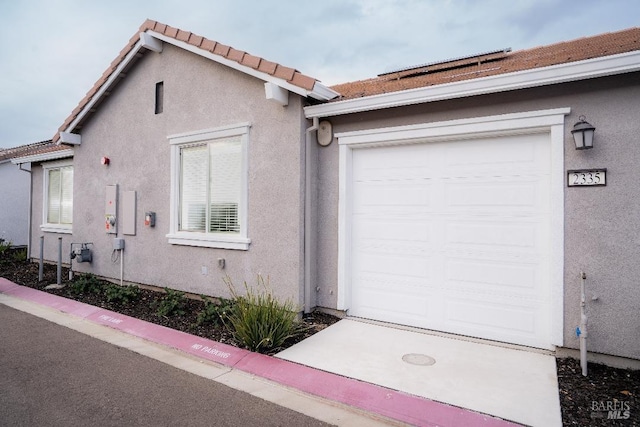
<point x="371" y="398"/>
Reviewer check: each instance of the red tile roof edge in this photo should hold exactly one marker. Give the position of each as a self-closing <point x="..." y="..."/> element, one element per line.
<point x="584" y="48"/>
<point x="290" y="75"/>
<point x="29" y="150"/>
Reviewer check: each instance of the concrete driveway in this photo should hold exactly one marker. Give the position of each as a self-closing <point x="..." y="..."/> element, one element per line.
<point x="513" y="384"/>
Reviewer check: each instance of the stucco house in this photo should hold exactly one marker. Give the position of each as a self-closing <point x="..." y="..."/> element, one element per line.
<point x="448" y="196"/>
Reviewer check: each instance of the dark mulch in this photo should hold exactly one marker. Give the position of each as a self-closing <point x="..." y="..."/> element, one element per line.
<point x="585" y="401"/>
<point x="26" y="274"/>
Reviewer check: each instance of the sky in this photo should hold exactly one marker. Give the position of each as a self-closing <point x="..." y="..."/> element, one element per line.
<point x="53" y="51"/>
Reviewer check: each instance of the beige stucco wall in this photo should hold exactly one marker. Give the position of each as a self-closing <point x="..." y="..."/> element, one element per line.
<point x="198" y="94"/>
<point x="602" y="225"/>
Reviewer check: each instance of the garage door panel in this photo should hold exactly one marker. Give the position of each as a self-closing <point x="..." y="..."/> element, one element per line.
<point x="469" y="315"/>
<point x="393" y="230"/>
<point x="492" y="276"/>
<point x="397" y="196"/>
<point x="505" y="153"/>
<point x="394" y="265"/>
<point x="383" y="164"/>
<point x="502" y="194"/>
<point x="491" y="234"/>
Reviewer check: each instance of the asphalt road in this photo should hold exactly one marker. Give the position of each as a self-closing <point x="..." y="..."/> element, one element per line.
<point x="53" y="376"/>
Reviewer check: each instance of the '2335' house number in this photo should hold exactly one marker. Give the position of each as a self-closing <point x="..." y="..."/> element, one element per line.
<point x="586" y="177"/>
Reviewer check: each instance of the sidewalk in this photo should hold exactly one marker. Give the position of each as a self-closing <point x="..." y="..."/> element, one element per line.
<point x="329" y="397"/>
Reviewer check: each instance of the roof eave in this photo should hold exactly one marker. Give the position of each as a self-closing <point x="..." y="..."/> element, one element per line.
<point x="42" y="157"/>
<point x="579" y="70"/>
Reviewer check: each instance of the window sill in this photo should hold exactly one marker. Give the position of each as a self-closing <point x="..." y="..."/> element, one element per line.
<point x="207" y="241"/>
<point x="55" y="228"/>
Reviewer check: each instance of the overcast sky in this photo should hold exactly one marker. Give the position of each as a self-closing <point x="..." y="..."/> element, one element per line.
<point x="52" y="51"/>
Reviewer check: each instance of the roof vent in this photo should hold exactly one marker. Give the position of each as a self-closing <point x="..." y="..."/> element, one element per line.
<point x="448" y="64"/>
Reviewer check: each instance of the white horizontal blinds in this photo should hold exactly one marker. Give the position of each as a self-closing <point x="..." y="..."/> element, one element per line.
<point x="193" y="188"/>
<point x="225" y="168"/>
<point x="60" y="196"/>
<point x="66" y="196"/>
<point x="53" y="196"/>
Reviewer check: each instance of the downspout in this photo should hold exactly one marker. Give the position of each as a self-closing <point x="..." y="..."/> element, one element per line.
<point x="308" y="255"/>
<point x="29" y="232"/>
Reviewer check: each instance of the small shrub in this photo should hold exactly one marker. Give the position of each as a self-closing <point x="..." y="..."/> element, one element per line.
<point x="86" y="284"/>
<point x="122" y="294"/>
<point x="171" y="304"/>
<point x="19" y="255"/>
<point x="259" y="322"/>
<point x="214" y="312"/>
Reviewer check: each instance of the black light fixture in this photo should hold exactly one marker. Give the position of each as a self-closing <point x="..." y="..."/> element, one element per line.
<point x="583" y="134"/>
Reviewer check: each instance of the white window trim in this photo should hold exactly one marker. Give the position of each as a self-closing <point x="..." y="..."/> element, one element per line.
<point x="209" y="240"/>
<point x="45" y="226"/>
<point x="548" y="121"/>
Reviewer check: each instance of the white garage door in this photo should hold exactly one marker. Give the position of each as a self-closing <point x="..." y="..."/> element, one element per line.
<point x="455" y="236"/>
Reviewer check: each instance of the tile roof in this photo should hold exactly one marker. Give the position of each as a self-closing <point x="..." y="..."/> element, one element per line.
<point x="29" y="150"/>
<point x="290" y="75"/>
<point x="494" y="63"/>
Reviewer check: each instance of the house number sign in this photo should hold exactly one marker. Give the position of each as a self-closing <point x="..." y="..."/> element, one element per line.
<point x="586" y="177"/>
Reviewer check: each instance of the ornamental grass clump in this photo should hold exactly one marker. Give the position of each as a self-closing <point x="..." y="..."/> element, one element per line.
<point x="259" y="321"/>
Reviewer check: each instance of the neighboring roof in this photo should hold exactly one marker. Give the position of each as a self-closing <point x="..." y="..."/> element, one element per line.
<point x="37" y="152"/>
<point x="23" y="150"/>
<point x="495" y="63"/>
<point x="288" y="78"/>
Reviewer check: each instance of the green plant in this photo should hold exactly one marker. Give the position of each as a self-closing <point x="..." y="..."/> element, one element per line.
<point x="214" y="312"/>
<point x="86" y="284"/>
<point x="171" y="304"/>
<point x="19" y="255"/>
<point x="259" y="321"/>
<point x="122" y="294"/>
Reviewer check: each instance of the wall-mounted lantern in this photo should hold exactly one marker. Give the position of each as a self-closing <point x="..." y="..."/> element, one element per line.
<point x="583" y="134"/>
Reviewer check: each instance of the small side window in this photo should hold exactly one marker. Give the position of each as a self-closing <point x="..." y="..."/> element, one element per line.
<point x="159" y="97"/>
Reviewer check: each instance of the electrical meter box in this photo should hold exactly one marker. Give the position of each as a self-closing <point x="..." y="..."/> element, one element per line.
<point x="111" y="210"/>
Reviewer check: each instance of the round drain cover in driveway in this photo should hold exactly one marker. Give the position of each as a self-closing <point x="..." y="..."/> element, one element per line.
<point x="419" y="359"/>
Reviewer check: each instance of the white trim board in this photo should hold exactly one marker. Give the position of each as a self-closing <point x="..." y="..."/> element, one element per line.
<point x="548" y="121"/>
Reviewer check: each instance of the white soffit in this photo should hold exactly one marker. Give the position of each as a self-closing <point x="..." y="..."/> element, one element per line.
<point x="561" y="73"/>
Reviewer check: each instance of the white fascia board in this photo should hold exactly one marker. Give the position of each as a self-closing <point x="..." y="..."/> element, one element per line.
<point x="562" y="73"/>
<point x="319" y="91"/>
<point x="529" y="121"/>
<point x="54" y="155"/>
<point x="114" y="75"/>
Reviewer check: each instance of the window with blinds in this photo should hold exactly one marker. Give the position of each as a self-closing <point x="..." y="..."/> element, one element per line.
<point x="209" y="193"/>
<point x="60" y="196"/>
<point x="210" y="186"/>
